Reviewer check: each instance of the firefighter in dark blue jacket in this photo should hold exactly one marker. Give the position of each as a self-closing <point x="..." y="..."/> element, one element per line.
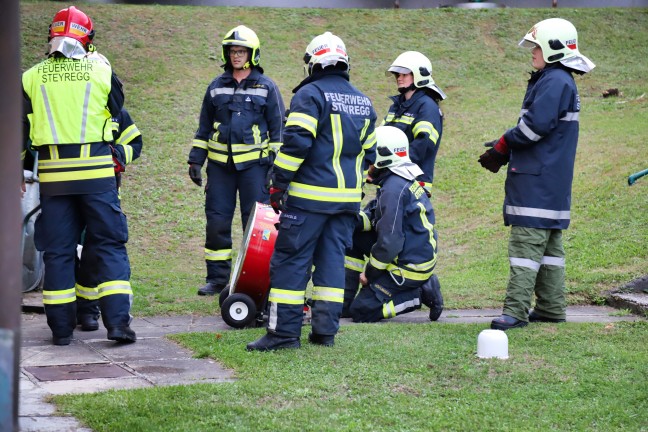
<point x="402" y="241"/>
<point x="127" y="146"/>
<point x="240" y="131"/>
<point x="416" y="112"/>
<point x="540" y="152"/>
<point x="68" y="116"/>
<point x="317" y="181"/>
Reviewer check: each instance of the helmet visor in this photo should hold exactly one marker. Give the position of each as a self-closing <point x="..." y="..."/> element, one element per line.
<point x="397" y="70"/>
<point x="69" y="47"/>
<point x="525" y="43"/>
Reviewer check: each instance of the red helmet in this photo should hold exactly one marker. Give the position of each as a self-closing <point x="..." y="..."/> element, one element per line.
<point x="73" y="23"/>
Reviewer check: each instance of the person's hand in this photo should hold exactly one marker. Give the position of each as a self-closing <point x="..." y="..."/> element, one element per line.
<point x="363" y="279"/>
<point x="277" y="199"/>
<point x="118" y="160"/>
<point x="194" y="174"/>
<point x="496" y="156"/>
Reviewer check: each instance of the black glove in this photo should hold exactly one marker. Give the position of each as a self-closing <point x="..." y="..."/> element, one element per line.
<point x="496" y="156"/>
<point x="493" y="160"/>
<point x="194" y="174"/>
<point x="277" y="199"/>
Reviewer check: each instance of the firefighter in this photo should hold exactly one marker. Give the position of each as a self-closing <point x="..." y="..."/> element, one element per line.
<point x="69" y="100"/>
<point x="317" y="179"/>
<point x="240" y="131"/>
<point x="415" y="111"/>
<point x="128" y="145"/>
<point x="402" y="240"/>
<point x="540" y="151"/>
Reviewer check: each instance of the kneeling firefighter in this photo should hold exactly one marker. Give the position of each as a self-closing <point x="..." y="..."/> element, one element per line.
<point x="400" y="239"/>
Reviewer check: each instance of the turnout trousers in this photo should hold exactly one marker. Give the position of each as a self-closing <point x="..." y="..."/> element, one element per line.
<point x="223" y="184"/>
<point x="354" y="264"/>
<point x="308" y="241"/>
<point x="104" y="266"/>
<point x="383" y="299"/>
<point x="537" y="265"/>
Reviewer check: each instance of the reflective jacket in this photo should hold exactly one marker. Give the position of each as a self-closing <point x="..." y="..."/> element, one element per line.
<point x="68" y="106"/>
<point x="404" y="225"/>
<point x="239" y="122"/>
<point x="328" y="146"/>
<point x="542" y="152"/>
<point x="422" y="121"/>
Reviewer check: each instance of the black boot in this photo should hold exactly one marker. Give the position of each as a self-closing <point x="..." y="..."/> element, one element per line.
<point x="431" y="297"/>
<point x="88" y="322"/>
<point x="122" y="334"/>
<point x="506" y="322"/>
<point x="324" y="340"/>
<point x="210" y="289"/>
<point x="61" y="341"/>
<point x="534" y="317"/>
<point x="272" y="342"/>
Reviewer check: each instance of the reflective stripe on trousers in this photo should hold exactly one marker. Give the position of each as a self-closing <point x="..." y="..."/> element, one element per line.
<point x="537" y="265"/>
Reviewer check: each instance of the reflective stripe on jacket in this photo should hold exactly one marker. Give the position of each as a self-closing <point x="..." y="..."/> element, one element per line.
<point x="543" y="152"/>
<point x="422" y="121"/>
<point x="240" y="123"/>
<point x="329" y="143"/>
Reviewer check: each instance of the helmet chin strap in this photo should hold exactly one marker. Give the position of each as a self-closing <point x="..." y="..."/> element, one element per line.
<point x="403" y="90"/>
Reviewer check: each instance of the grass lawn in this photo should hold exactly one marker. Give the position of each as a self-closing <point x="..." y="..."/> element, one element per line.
<point x="167" y="56"/>
<point x="401" y="377"/>
<point x="389" y="377"/>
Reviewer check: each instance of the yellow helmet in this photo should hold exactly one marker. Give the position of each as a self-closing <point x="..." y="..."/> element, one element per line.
<point x="245" y="37"/>
<point x="558" y="40"/>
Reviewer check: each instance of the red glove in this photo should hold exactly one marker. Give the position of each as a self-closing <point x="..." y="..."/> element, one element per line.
<point x="277" y="199"/>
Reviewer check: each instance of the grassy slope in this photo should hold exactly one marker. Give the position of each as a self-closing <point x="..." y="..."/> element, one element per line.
<point x="166" y="56"/>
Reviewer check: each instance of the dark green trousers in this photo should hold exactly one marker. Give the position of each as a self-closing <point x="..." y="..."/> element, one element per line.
<point x="537" y="265"/>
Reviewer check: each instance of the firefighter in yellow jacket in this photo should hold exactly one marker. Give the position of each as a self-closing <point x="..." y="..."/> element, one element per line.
<point x="69" y="100"/>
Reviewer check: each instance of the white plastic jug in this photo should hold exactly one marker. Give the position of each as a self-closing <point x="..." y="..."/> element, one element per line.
<point x="492" y="344"/>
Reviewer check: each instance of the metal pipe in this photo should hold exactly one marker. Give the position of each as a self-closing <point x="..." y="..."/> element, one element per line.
<point x="10" y="217"/>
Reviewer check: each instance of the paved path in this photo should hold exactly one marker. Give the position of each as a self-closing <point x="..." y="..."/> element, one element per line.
<point x="92" y="364"/>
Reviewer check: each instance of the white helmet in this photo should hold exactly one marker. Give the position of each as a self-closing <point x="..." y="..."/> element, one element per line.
<point x="558" y="40"/>
<point x="392" y="147"/>
<point x="325" y="50"/>
<point x="392" y="152"/>
<point x="418" y="65"/>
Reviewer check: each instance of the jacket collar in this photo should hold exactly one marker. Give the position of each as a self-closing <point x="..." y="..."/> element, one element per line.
<point x="321" y="74"/>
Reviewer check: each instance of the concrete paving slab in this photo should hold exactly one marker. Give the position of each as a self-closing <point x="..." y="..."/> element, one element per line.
<point x="76" y="352"/>
<point x="95" y="385"/>
<point x="32" y="399"/>
<point x="50" y="424"/>
<point x="143" y="349"/>
<point x="181" y="371"/>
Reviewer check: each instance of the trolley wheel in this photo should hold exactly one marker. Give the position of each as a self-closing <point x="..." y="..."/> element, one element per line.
<point x="238" y="311"/>
<point x="223" y="295"/>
